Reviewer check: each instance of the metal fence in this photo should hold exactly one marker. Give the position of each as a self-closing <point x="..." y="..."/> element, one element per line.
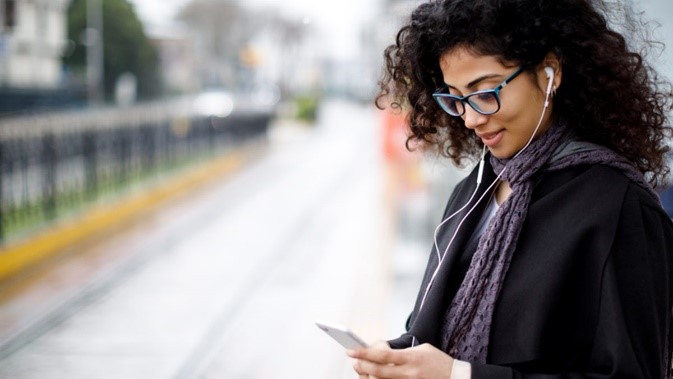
<point x="51" y="164"/>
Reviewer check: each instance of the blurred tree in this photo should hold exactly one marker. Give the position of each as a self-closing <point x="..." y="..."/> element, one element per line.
<point x="224" y="28"/>
<point x="126" y="47"/>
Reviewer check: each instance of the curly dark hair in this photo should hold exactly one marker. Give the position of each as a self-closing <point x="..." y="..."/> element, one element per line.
<point x="609" y="94"/>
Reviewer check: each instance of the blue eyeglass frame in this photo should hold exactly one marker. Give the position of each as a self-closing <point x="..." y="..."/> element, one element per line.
<point x="466" y="99"/>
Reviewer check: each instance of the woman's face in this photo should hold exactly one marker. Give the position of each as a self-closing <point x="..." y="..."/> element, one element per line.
<point x="521" y="101"/>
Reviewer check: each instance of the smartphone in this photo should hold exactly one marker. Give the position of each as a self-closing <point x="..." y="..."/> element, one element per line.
<point x="342" y="335"/>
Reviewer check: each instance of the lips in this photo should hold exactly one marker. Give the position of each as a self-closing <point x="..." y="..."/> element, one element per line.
<point x="491" y="139"/>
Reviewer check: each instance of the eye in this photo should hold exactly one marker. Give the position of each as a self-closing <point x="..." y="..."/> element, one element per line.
<point x="450" y="103"/>
<point x="485" y="97"/>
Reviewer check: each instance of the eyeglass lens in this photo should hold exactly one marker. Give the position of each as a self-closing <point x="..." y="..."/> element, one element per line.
<point x="484" y="103"/>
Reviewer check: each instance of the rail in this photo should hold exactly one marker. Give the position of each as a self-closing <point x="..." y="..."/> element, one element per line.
<point x="52" y="164"/>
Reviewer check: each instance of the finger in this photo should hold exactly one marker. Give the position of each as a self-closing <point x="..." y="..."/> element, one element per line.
<point x="374" y="370"/>
<point x="380" y="355"/>
<point x="358" y="369"/>
<point x="355" y="353"/>
<point x="388" y="356"/>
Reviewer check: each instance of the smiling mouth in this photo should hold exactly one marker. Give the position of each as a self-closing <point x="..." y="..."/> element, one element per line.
<point x="491" y="139"/>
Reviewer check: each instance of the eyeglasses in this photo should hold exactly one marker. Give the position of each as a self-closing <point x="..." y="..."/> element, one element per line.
<point x="486" y="102"/>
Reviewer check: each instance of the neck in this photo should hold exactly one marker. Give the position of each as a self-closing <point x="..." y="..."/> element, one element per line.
<point x="502" y="192"/>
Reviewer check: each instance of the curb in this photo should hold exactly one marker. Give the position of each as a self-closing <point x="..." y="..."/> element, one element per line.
<point x="53" y="241"/>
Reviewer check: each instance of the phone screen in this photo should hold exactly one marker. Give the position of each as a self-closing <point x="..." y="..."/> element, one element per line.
<point x="343" y="335"/>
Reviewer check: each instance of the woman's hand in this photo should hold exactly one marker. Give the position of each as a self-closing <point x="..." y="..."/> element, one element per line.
<point x="382" y="362"/>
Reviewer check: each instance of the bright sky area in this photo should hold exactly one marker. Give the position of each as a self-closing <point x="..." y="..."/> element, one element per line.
<point x="339" y="20"/>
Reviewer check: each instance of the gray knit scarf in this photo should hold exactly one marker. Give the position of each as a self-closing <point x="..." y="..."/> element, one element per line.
<point x="467" y="322"/>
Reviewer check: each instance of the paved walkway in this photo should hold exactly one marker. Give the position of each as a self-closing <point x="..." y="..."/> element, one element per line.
<point x="228" y="283"/>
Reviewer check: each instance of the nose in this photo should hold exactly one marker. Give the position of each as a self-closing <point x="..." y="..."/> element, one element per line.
<point x="473" y="119"/>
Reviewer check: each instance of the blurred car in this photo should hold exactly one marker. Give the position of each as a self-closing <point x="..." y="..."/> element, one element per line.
<point x="214" y="103"/>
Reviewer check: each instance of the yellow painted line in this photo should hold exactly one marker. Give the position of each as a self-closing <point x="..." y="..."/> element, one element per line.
<point x="21" y="255"/>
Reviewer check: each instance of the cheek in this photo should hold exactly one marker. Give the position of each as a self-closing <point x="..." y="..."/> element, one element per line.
<point x="510" y="117"/>
<point x="522" y="111"/>
<point x="525" y="98"/>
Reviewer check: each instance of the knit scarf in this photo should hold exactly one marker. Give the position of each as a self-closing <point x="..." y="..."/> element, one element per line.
<point x="467" y="322"/>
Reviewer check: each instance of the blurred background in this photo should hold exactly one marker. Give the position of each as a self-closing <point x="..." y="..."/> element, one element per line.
<point x="186" y="186"/>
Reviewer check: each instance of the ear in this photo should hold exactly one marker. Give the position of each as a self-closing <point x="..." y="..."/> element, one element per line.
<point x="552" y="61"/>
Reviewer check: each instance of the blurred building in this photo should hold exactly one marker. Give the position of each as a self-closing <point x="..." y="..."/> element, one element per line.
<point x="357" y="77"/>
<point x="33" y="37"/>
<point x="177" y="57"/>
<point x="288" y="56"/>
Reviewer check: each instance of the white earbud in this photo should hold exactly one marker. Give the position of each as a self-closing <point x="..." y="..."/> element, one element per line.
<point x="550" y="76"/>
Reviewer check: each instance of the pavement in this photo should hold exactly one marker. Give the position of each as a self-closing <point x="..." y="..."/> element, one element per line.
<point x="228" y="281"/>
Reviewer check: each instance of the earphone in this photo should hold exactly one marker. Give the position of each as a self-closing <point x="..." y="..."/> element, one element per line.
<point x="550" y="77"/>
<point x="549" y="71"/>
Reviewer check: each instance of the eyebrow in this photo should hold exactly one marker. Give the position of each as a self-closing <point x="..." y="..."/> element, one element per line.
<point x="476" y="81"/>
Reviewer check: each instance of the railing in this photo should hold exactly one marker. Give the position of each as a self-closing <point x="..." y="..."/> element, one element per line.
<point x="52" y="164"/>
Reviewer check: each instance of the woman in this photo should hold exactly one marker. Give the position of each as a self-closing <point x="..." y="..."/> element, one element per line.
<point x="554" y="258"/>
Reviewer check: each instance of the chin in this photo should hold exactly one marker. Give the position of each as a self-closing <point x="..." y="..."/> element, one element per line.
<point x="500" y="154"/>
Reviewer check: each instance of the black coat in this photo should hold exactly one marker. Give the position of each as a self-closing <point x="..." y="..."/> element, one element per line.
<point x="590" y="287"/>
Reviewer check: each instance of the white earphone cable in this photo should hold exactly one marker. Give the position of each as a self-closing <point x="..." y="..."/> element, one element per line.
<point x="440" y="258"/>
